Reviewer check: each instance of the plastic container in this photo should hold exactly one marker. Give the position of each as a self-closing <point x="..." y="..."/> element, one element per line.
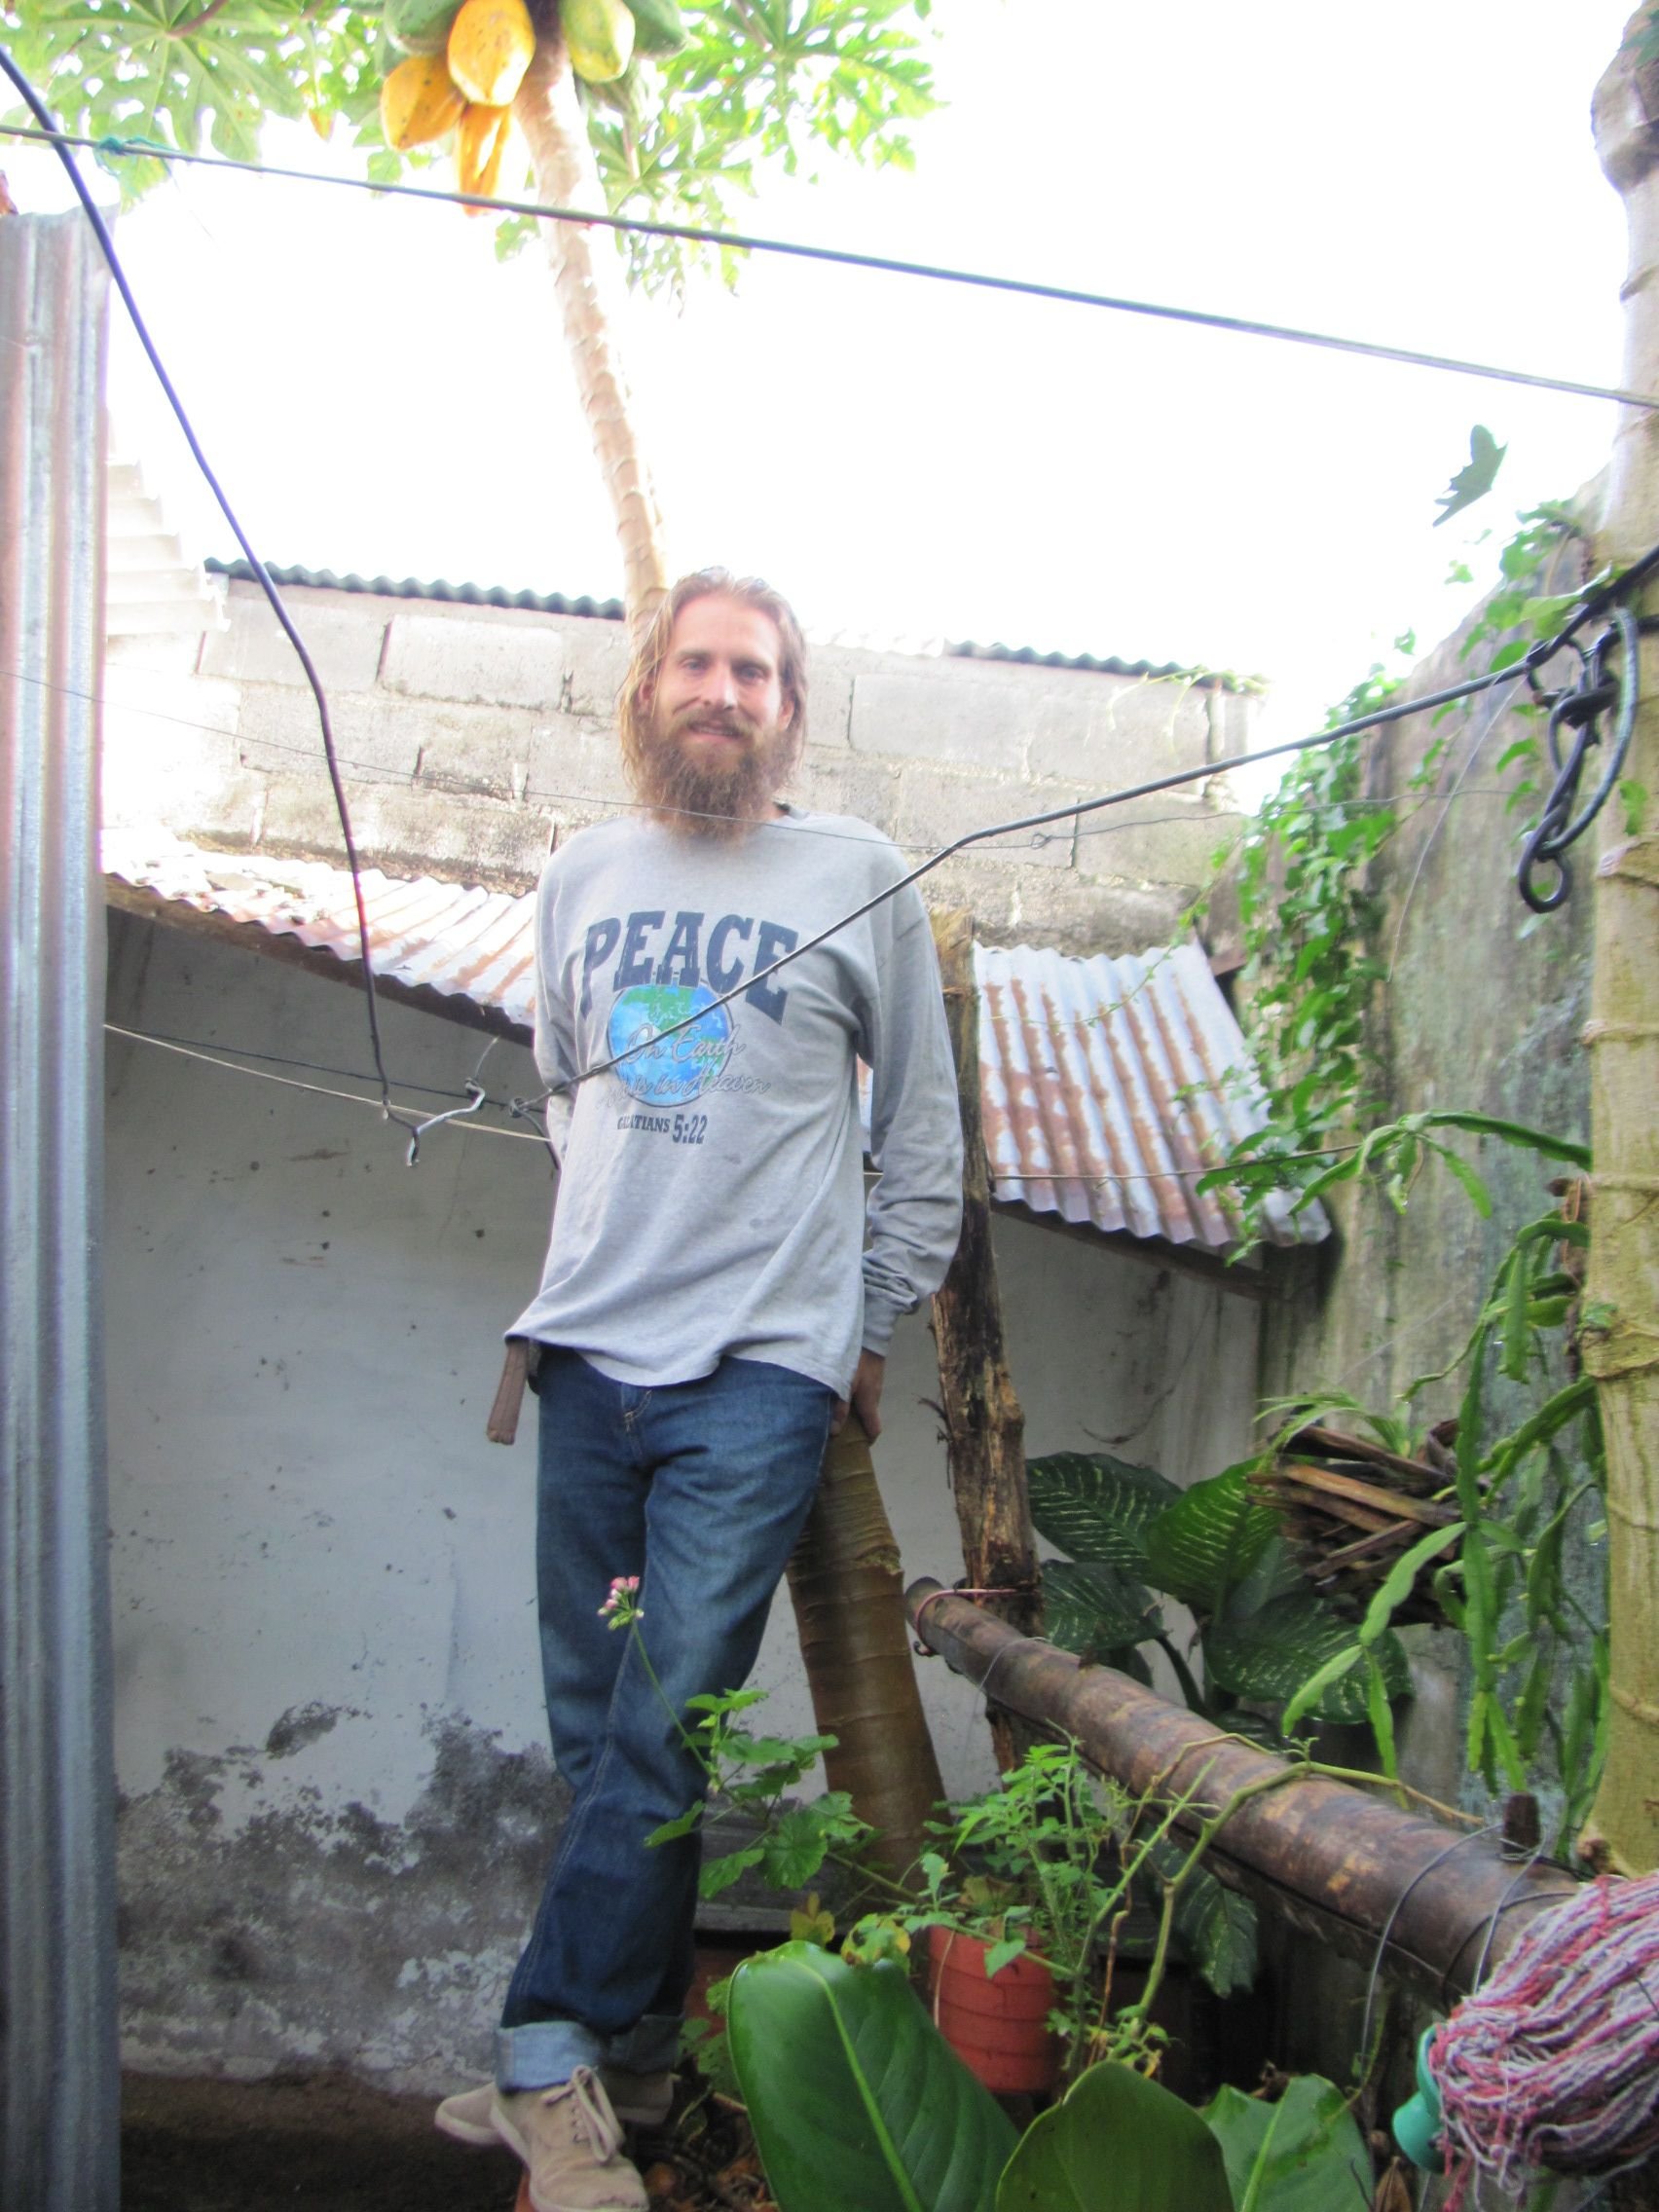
<point x="997" y="2024"/>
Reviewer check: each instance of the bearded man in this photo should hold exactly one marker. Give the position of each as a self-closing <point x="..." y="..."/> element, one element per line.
<point x="717" y="1292"/>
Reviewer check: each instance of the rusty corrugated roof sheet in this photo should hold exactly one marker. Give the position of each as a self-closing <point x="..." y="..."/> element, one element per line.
<point x="1108" y="1086"/>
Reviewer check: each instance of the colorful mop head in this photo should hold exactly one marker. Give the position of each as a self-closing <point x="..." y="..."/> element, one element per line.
<point x="1554" y="2062"/>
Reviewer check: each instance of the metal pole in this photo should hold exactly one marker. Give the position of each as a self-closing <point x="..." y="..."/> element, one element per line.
<point x="59" y="2083"/>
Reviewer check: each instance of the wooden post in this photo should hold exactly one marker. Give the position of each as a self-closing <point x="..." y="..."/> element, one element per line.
<point x="984" y="1426"/>
<point x="1620" y="1336"/>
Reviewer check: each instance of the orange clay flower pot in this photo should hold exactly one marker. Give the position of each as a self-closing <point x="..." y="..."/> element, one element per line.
<point x="997" y="2024"/>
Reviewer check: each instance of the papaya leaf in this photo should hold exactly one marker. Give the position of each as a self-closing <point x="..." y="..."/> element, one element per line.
<point x="1097" y="1507"/>
<point x="1305" y="2154"/>
<point x="895" y="2122"/>
<point x="1271" y="1656"/>
<point x="1119" y="2142"/>
<point x="1205" y="1543"/>
<point x="1091" y="1607"/>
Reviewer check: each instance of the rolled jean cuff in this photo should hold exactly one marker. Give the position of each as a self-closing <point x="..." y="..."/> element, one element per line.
<point x="543" y="2052"/>
<point x="650" y="2046"/>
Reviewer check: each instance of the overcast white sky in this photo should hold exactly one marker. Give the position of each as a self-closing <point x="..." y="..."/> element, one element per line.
<point x="918" y="462"/>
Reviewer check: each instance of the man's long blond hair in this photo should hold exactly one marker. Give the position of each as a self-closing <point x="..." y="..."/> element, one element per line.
<point x="634" y="701"/>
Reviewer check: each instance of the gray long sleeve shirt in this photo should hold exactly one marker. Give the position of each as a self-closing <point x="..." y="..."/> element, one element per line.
<point x="711" y="1196"/>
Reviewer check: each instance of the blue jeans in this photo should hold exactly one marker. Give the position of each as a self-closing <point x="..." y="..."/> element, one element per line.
<point x="700" y="1489"/>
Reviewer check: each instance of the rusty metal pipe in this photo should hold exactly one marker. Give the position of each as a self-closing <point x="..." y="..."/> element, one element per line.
<point x="1369" y="1880"/>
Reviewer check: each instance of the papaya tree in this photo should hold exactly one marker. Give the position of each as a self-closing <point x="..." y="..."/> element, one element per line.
<point x="644" y="107"/>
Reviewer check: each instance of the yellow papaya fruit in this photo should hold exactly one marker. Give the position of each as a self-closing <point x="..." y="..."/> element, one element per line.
<point x="599" y="35"/>
<point x="491" y="43"/>
<point x="480" y="143"/>
<point x="418" y="103"/>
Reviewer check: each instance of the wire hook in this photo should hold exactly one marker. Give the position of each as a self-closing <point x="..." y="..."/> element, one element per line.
<point x="475" y="1096"/>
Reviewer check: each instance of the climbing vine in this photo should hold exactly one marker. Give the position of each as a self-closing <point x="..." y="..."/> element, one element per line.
<point x="1525" y="1472"/>
<point x="1308" y="904"/>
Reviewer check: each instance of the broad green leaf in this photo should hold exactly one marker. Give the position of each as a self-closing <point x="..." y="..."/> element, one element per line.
<point x="1207" y="1541"/>
<point x="1305" y="2154"/>
<point x="1094" y="1609"/>
<point x="856" y="2102"/>
<point x="1271" y="1656"/>
<point x="1097" y="1507"/>
<point x="1119" y="2142"/>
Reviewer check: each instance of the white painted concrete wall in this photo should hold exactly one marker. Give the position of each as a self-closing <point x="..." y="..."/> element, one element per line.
<point x="335" y="1796"/>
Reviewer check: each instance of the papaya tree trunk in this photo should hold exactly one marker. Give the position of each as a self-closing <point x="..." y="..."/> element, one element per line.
<point x="849" y="1605"/>
<point x="550" y="114"/>
<point x="984" y="1425"/>
<point x="1620" y="1339"/>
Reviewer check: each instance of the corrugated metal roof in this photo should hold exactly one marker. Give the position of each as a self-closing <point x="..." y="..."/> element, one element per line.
<point x="454" y="939"/>
<point x="612" y="611"/>
<point x="1108" y="1086"/>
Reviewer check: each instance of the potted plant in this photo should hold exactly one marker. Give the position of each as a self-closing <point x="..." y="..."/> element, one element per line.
<point x="1020" y="1906"/>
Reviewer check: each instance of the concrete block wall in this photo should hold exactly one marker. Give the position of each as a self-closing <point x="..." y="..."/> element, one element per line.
<point x="473" y="738"/>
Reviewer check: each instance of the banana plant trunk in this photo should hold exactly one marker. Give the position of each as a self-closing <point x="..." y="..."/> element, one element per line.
<point x="550" y="114"/>
<point x="849" y="1604"/>
<point x="1621" y="1338"/>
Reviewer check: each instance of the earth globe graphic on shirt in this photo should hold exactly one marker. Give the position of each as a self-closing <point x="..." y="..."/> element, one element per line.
<point x="668" y="1070"/>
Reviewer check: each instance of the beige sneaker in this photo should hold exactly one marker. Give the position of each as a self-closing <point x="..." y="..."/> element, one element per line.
<point x="571" y="2143"/>
<point x="639" y="2100"/>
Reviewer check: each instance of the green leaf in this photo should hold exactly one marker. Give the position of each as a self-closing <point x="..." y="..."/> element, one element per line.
<point x="800" y="1839"/>
<point x="1270" y="1656"/>
<point x="895" y="2122"/>
<point x="1205" y="1543"/>
<point x="1480" y="1197"/>
<point x="1093" y="1609"/>
<point x="1216" y="1926"/>
<point x="1397" y="1584"/>
<point x="1319" y="1685"/>
<point x="1486" y="459"/>
<point x="1305" y="2154"/>
<point x="1119" y="2142"/>
<point x="1097" y="1507"/>
<point x="718" y="1874"/>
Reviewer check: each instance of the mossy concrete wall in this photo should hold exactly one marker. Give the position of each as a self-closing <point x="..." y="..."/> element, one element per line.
<point x="1480" y="1007"/>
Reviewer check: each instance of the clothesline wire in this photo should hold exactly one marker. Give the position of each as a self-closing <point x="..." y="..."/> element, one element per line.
<point x="200" y="1048"/>
<point x="317" y="1089"/>
<point x="742" y="242"/>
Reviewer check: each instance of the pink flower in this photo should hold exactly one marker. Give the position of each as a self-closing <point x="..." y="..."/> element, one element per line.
<point x="622" y="1607"/>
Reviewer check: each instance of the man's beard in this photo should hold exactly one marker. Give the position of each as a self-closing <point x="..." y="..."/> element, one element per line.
<point x="711" y="791"/>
